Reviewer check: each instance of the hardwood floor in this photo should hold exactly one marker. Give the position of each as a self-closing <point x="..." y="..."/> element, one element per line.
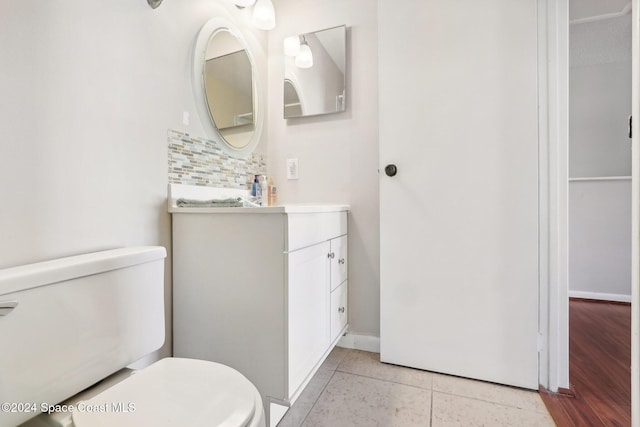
<point x="599" y="367"/>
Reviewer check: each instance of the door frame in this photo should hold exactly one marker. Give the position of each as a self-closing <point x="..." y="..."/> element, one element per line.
<point x="553" y="143"/>
<point x="635" y="216"/>
<point x="553" y="71"/>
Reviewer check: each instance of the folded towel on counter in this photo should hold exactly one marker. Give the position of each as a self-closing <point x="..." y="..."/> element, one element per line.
<point x="212" y="203"/>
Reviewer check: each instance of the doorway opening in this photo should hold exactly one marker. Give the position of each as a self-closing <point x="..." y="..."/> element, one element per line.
<point x="599" y="211"/>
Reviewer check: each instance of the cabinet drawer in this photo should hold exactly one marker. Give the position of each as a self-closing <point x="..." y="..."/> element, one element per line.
<point x="306" y="229"/>
<point x="339" y="310"/>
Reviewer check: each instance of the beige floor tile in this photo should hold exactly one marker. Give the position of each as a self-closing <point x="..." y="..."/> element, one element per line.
<point x="353" y="400"/>
<point x="510" y="396"/>
<point x="369" y="365"/>
<point x="457" y="411"/>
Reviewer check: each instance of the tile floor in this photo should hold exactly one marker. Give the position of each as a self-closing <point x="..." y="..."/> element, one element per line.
<point x="352" y="388"/>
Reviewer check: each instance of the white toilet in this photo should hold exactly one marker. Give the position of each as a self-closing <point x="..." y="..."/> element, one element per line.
<point x="69" y="323"/>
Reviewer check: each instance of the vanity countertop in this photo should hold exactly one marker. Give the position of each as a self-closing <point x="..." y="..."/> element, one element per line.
<point x="289" y="208"/>
<point x="176" y="191"/>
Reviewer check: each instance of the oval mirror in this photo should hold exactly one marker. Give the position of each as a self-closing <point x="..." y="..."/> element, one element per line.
<point x="226" y="88"/>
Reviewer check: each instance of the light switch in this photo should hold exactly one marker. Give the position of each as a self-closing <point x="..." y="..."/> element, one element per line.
<point x="292" y="168"/>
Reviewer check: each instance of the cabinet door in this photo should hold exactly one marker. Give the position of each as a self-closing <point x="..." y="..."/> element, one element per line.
<point x="338" y="255"/>
<point x="339" y="310"/>
<point x="308" y="303"/>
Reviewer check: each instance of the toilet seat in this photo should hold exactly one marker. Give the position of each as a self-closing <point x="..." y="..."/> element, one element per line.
<point x="176" y="392"/>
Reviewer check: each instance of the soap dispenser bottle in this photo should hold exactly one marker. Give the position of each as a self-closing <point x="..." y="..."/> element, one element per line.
<point x="255" y="186"/>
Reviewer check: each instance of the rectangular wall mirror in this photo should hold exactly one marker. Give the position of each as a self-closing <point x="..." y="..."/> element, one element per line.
<point x="314" y="73"/>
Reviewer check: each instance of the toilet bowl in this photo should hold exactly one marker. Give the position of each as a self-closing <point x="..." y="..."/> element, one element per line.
<point x="70" y="323"/>
<point x="175" y="392"/>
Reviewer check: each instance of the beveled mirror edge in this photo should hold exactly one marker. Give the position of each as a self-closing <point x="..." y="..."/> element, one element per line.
<point x="199" y="53"/>
<point x="292" y="78"/>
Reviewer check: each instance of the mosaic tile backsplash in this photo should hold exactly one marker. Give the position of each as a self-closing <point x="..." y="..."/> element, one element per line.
<point x="199" y="161"/>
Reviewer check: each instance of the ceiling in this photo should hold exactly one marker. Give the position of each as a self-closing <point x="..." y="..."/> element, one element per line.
<point x="584" y="9"/>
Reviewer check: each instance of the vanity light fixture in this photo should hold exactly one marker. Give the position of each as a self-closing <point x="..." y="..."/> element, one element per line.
<point x="305" y="58"/>
<point x="292" y="46"/>
<point x="264" y="15"/>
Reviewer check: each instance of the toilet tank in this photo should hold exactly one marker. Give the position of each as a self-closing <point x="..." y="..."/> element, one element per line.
<point x="75" y="321"/>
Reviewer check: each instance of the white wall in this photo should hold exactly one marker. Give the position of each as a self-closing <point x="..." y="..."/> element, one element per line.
<point x="600" y="239"/>
<point x="338" y="153"/>
<point x="600" y="98"/>
<point x="89" y="90"/>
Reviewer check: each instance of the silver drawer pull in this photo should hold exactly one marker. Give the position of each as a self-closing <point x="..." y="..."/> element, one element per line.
<point x="7" y="306"/>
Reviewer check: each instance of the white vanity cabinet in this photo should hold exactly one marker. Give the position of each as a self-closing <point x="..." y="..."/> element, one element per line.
<point x="263" y="290"/>
<point x="317" y="303"/>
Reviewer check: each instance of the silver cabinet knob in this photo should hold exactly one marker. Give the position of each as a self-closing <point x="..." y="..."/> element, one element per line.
<point x="331" y="255"/>
<point x="340" y="309"/>
<point x="341" y="261"/>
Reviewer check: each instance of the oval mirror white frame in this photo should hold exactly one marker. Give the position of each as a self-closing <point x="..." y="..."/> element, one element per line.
<point x="210" y="28"/>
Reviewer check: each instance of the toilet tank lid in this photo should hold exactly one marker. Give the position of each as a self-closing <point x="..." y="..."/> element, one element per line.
<point x="16" y="279"/>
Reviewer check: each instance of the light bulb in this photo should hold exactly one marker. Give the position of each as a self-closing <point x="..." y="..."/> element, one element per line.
<point x="292" y="46"/>
<point x="264" y="16"/>
<point x="305" y="57"/>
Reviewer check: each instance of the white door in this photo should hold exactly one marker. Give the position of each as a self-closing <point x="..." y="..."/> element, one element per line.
<point x="459" y="220"/>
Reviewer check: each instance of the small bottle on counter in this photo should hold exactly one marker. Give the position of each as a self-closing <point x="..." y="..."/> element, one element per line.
<point x="273" y="193"/>
<point x="254" y="187"/>
<point x="259" y="197"/>
<point x="264" y="190"/>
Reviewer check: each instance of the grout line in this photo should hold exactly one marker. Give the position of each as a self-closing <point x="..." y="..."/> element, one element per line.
<point x="449" y="393"/>
<point x="488" y="401"/>
<point x="318" y="398"/>
<point x="431" y="410"/>
<point x="387" y="381"/>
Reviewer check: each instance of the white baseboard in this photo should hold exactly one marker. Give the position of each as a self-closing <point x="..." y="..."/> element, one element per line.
<point x="600" y="296"/>
<point x="360" y="342"/>
<point x="276" y="413"/>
